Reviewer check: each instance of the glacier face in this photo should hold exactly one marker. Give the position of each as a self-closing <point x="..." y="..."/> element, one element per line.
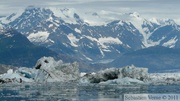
<point x="92" y="36"/>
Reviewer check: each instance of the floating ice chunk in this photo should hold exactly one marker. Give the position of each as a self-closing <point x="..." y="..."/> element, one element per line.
<point x="126" y="75"/>
<point x="124" y="81"/>
<point x="164" y="78"/>
<point x="45" y="70"/>
<point x="107" y="74"/>
<point x="28" y="73"/>
<point x="47" y="63"/>
<point x="82" y="74"/>
<point x="10" y="71"/>
<point x="15" y="77"/>
<point x="134" y="72"/>
<point x="50" y="70"/>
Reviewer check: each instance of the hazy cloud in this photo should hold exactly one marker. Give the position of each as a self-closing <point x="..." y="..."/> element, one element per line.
<point x="147" y="8"/>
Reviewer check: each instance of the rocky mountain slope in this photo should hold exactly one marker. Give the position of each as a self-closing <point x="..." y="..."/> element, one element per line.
<point x="92" y="36"/>
<point x="17" y="50"/>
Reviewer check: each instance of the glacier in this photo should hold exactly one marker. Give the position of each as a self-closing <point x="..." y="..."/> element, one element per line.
<point x="47" y="69"/>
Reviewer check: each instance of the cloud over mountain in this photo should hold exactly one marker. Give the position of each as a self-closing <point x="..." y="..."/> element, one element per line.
<point x="148" y="8"/>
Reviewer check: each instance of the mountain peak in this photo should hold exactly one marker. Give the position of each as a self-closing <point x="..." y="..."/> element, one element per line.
<point x="163" y="21"/>
<point x="154" y="20"/>
<point x="69" y="31"/>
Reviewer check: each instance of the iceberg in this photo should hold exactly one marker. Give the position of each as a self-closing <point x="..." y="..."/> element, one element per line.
<point x="134" y="72"/>
<point x="14" y="76"/>
<point x="50" y="70"/>
<point x="125" y="75"/>
<point x="104" y="75"/>
<point x="164" y="78"/>
<point x="47" y="69"/>
<point x="130" y="75"/>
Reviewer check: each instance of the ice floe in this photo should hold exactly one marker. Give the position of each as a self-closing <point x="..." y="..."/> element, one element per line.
<point x="45" y="70"/>
<point x="49" y="70"/>
<point x="126" y="75"/>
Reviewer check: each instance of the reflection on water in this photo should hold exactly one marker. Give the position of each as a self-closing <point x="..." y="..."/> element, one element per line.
<point x="76" y="92"/>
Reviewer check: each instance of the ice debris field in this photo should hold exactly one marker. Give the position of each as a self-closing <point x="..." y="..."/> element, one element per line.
<point x="49" y="70"/>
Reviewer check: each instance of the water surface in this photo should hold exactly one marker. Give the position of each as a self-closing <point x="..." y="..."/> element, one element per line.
<point x="78" y="92"/>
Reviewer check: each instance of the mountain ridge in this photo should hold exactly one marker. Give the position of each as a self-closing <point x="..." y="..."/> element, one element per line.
<point x="17" y="50"/>
<point x="78" y="34"/>
<point x="156" y="58"/>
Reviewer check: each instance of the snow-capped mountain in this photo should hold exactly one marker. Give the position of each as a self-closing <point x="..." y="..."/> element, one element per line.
<point x="92" y="36"/>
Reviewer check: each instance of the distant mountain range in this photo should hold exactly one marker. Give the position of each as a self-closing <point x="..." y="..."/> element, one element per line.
<point x="157" y="59"/>
<point x="91" y="36"/>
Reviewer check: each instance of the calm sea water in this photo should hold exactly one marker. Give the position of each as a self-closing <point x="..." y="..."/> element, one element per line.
<point x="77" y="92"/>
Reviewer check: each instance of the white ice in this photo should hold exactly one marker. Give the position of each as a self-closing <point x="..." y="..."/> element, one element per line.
<point x="47" y="69"/>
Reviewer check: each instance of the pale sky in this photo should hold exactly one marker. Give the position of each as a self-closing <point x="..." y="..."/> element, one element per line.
<point x="146" y="8"/>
